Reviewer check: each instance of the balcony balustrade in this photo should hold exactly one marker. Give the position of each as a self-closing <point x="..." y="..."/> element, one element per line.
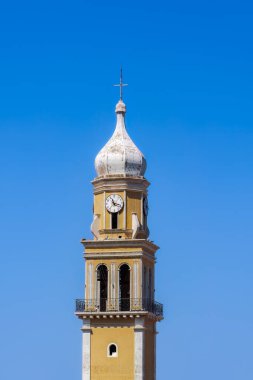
<point x="119" y="305"/>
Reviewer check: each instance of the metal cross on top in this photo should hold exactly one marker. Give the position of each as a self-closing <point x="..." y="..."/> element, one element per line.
<point x="121" y="84"/>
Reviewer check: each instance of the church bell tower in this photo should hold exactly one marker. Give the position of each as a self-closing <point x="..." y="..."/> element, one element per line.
<point x="119" y="312"/>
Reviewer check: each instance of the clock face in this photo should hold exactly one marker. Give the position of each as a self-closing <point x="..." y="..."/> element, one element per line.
<point x="145" y="206"/>
<point x="114" y="203"/>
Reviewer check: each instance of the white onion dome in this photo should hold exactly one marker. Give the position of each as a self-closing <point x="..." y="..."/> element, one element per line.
<point x="120" y="156"/>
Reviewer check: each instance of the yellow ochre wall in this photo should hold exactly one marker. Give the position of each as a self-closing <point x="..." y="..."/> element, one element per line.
<point x="122" y="366"/>
<point x="109" y="368"/>
<point x="132" y="204"/>
<point x="149" y="354"/>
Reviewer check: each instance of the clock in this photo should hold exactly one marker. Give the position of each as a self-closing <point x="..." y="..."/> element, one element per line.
<point x="114" y="203"/>
<point x="145" y="206"/>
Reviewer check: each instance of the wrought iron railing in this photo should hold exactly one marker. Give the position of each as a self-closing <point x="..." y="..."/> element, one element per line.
<point x="119" y="305"/>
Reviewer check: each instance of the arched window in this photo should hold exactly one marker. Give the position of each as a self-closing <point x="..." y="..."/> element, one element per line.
<point x="102" y="285"/>
<point x="124" y="287"/>
<point x="112" y="350"/>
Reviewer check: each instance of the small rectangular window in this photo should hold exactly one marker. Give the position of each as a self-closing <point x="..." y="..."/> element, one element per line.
<point x="114" y="220"/>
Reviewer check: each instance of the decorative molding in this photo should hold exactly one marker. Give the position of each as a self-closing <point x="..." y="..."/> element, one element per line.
<point x="119" y="255"/>
<point x="101" y="323"/>
<point x="146" y="245"/>
<point x="120" y="183"/>
<point x="114" y="230"/>
<point x="118" y="315"/>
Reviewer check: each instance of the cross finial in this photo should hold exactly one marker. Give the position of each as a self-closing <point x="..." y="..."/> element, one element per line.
<point x="121" y="84"/>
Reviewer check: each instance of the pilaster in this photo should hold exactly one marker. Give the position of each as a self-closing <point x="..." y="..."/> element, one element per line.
<point x="86" y="351"/>
<point x="139" y="346"/>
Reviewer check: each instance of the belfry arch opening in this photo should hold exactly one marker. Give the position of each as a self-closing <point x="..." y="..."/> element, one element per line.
<point x="124" y="287"/>
<point x="102" y="286"/>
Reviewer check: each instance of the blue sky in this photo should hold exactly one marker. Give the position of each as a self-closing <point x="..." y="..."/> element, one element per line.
<point x="189" y="100"/>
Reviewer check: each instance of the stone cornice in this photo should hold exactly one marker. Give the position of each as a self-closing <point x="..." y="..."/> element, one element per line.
<point x="144" y="244"/>
<point x="120" y="183"/>
<point x="119" y="255"/>
<point x="118" y="315"/>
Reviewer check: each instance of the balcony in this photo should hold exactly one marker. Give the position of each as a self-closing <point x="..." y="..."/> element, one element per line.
<point x="129" y="305"/>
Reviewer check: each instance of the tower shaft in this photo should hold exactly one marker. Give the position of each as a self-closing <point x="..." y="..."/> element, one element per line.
<point x="119" y="312"/>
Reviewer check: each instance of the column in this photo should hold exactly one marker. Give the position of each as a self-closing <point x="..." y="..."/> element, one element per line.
<point x="135" y="293"/>
<point x="112" y="282"/>
<point x="90" y="302"/>
<point x="86" y="330"/>
<point x="90" y="281"/>
<point x="125" y="211"/>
